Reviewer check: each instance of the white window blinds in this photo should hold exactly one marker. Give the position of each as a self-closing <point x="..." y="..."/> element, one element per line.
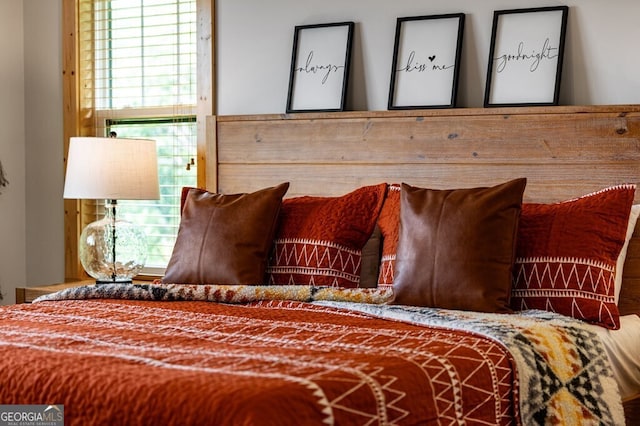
<point x="145" y="53"/>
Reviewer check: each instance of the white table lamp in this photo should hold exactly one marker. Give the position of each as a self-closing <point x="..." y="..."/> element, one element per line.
<point x="112" y="250"/>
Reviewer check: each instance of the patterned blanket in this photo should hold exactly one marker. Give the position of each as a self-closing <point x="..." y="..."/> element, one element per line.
<point x="564" y="375"/>
<point x="219" y="293"/>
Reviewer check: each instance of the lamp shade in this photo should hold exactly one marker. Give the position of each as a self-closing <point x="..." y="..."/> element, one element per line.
<point x="112" y="168"/>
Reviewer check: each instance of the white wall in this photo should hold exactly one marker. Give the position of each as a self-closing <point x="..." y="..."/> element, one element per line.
<point x="12" y="150"/>
<point x="44" y="133"/>
<point x="31" y="208"/>
<point x="254" y="41"/>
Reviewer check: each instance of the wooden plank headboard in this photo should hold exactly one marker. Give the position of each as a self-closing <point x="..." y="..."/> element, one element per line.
<point x="564" y="152"/>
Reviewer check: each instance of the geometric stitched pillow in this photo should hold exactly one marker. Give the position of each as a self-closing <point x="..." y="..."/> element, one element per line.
<point x="389" y="222"/>
<point x="319" y="240"/>
<point x="566" y="255"/>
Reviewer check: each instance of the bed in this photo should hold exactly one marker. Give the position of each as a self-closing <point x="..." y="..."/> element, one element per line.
<point x="308" y="347"/>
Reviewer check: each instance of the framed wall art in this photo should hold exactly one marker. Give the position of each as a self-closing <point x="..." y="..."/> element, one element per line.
<point x="426" y="61"/>
<point x="320" y="67"/>
<point x="525" y="60"/>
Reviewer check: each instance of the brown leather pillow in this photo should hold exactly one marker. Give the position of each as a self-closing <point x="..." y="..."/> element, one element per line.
<point x="225" y="239"/>
<point x="370" y="262"/>
<point x="457" y="247"/>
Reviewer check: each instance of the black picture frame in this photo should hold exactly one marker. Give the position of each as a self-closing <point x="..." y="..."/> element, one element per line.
<point x="426" y="61"/>
<point x="320" y="64"/>
<point x="526" y="55"/>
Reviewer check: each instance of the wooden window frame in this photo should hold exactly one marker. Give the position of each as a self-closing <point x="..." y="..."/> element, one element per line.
<point x="78" y="118"/>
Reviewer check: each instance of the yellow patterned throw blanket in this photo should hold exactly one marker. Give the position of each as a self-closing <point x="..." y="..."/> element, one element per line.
<point x="563" y="376"/>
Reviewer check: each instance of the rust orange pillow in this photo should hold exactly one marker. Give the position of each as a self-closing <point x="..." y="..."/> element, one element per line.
<point x="224" y="239"/>
<point x="320" y="239"/>
<point x="388" y="222"/>
<point x="567" y="252"/>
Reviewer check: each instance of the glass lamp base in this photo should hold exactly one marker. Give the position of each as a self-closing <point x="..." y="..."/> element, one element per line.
<point x="112" y="250"/>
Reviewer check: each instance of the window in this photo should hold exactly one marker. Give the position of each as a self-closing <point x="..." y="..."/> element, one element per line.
<point x="175" y="139"/>
<point x="138" y="78"/>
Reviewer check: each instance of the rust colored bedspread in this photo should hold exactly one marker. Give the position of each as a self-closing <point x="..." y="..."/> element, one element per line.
<point x="281" y="363"/>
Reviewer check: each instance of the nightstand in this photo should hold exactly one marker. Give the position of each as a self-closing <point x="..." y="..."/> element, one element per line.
<point x="28" y="294"/>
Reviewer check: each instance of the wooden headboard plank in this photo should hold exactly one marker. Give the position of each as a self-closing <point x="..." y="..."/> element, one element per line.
<point x="545" y="182"/>
<point x="564" y="152"/>
<point x="483" y="139"/>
